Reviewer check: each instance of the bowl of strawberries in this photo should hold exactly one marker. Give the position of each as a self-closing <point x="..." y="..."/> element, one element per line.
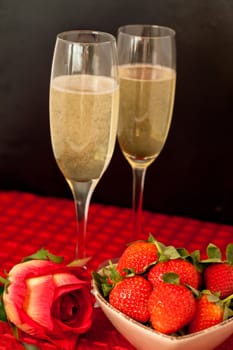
<point x="166" y="298"/>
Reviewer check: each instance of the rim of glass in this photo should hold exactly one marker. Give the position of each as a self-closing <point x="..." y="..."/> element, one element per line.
<point x="109" y="37"/>
<point x="169" y="31"/>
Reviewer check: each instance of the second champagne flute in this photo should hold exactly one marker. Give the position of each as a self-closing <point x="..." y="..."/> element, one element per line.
<point x="147" y="69"/>
<point x="84" y="99"/>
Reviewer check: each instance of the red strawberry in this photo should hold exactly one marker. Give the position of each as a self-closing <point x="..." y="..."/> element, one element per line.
<point x="208" y="313"/>
<point x="138" y="256"/>
<point x="218" y="277"/>
<point x="130" y="296"/>
<point x="186" y="271"/>
<point x="171" y="307"/>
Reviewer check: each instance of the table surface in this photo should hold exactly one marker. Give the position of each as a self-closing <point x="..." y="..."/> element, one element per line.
<point x="29" y="222"/>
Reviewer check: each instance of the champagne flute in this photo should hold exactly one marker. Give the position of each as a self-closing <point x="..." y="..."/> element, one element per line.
<point x="84" y="103"/>
<point x="147" y="70"/>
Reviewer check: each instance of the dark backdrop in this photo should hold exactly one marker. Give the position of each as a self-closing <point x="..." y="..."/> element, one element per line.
<point x="193" y="176"/>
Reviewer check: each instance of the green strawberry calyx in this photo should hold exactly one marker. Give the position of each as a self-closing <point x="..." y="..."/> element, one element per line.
<point x="170" y="252"/>
<point x="107" y="278"/>
<point x="214" y="255"/>
<point x="171" y="277"/>
<point x="164" y="252"/>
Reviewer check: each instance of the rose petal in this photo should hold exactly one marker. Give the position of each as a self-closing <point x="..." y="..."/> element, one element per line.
<point x="80" y="322"/>
<point x="32" y="268"/>
<point x="61" y="279"/>
<point x="12" y="297"/>
<point x="39" y="299"/>
<point x="15" y="292"/>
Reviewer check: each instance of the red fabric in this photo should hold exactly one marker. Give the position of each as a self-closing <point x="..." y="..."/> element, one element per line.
<point x="29" y="222"/>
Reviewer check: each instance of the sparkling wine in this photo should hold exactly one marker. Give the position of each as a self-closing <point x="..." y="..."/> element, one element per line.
<point x="146" y="105"/>
<point x="84" y="116"/>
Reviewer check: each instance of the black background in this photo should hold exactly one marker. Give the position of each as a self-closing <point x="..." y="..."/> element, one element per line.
<point x="193" y="176"/>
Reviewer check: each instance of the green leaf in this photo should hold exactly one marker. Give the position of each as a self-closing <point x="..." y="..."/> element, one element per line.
<point x="102" y="283"/>
<point x="195" y="259"/>
<point x="228" y="299"/>
<point x="160" y="246"/>
<point x="43" y="254"/>
<point x="1" y="290"/>
<point x="97" y="277"/>
<point x="129" y="272"/>
<point x="79" y="262"/>
<point x="111" y="274"/>
<point x="214" y="253"/>
<point x="229" y="253"/>
<point x="107" y="278"/>
<point x="227" y="313"/>
<point x="171" y="277"/>
<point x="106" y="289"/>
<point x="3" y="281"/>
<point x="213" y="298"/>
<point x="3" y="316"/>
<point x="183" y="252"/>
<point x="196" y="256"/>
<point x="168" y="253"/>
<point x="195" y="291"/>
<point x="30" y="347"/>
<point x="14" y="330"/>
<point x="151" y="238"/>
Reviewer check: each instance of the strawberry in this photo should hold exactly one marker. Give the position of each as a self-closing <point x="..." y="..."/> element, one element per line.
<point x="186" y="271"/>
<point x="171" y="307"/>
<point x="130" y="296"/>
<point x="137" y="256"/>
<point x="218" y="277"/>
<point x="208" y="313"/>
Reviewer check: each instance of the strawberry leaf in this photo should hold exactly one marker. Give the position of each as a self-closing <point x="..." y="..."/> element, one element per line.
<point x="160" y="246"/>
<point x="229" y="253"/>
<point x="171" y="277"/>
<point x="213" y="252"/>
<point x="196" y="257"/>
<point x="98" y="278"/>
<point x="168" y="253"/>
<point x="129" y="272"/>
<point x="107" y="278"/>
<point x="195" y="291"/>
<point x="183" y="252"/>
<point x="102" y="283"/>
<point x="213" y="298"/>
<point x="106" y="289"/>
<point x="227" y="312"/>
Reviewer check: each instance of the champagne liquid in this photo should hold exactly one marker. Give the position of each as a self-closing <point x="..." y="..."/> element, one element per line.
<point x="83" y="119"/>
<point x="146" y="105"/>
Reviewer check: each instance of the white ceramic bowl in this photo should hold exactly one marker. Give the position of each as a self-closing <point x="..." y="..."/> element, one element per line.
<point x="144" y="338"/>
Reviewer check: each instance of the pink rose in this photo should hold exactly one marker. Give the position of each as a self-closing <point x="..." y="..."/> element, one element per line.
<point x="49" y="302"/>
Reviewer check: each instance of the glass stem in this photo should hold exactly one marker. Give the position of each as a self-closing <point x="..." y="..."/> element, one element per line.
<point x="82" y="192"/>
<point x="138" y="189"/>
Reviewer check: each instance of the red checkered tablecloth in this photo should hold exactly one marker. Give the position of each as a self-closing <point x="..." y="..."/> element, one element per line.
<point x="29" y="222"/>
